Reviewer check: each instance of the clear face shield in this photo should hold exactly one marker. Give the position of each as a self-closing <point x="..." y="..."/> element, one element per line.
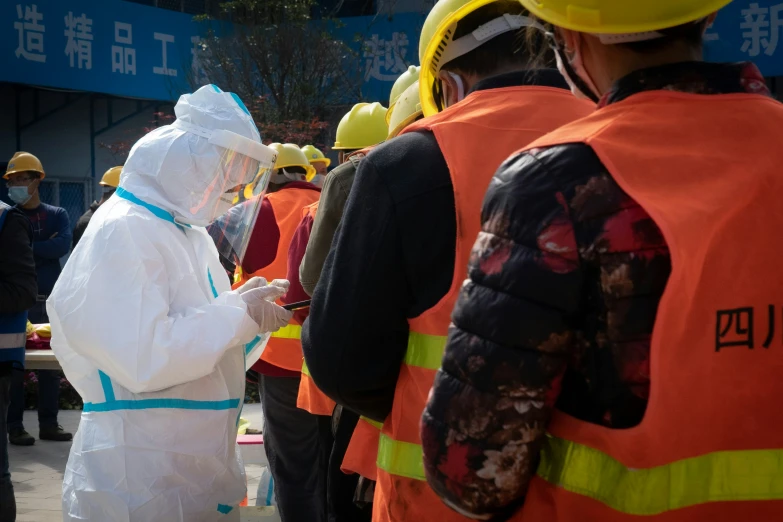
<point x="232" y="197"/>
<point x="240" y="204"/>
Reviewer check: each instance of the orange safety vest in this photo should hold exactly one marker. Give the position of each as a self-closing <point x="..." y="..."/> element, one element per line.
<point x="710" y="446"/>
<point x="475" y="137"/>
<point x="310" y="398"/>
<point x="284" y="349"/>
<point x="362" y="451"/>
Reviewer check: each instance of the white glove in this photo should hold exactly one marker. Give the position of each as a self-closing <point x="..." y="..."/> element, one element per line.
<point x="254" y="282"/>
<point x="258" y="282"/>
<point x="262" y="309"/>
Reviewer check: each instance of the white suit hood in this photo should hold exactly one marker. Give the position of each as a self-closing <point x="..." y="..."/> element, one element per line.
<point x="172" y="168"/>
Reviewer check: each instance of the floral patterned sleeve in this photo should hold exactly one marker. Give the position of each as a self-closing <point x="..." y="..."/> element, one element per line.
<point x="507" y="350"/>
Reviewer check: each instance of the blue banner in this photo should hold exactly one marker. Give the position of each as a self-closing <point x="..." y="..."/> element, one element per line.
<point x="748" y="31"/>
<point x="109" y="46"/>
<point x="126" y="49"/>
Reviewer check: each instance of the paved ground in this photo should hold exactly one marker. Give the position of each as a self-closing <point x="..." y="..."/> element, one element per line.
<point x="37" y="471"/>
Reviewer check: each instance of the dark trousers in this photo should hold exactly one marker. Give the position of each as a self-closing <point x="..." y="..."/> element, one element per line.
<point x="341" y="488"/>
<point x="48" y="398"/>
<point x="48" y="384"/>
<point x="294" y="451"/>
<point x="7" y="501"/>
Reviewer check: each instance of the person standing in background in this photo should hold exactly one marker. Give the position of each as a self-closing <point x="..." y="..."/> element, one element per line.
<point x="51" y="241"/>
<point x="17" y="294"/>
<point x="109" y="182"/>
<point x="380" y="312"/>
<point x="319" y="162"/>
<point x="291" y="440"/>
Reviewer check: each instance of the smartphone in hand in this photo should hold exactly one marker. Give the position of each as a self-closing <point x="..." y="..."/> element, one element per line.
<point x="297" y="306"/>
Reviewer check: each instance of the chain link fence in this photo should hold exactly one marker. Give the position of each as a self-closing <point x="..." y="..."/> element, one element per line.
<point x="74" y="195"/>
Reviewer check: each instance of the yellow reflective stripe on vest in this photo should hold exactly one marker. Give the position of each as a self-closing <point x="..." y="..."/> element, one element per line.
<point x="305" y="369"/>
<point x="404" y="458"/>
<point x="378" y="425"/>
<point x="400" y="458"/>
<point x="715" y="477"/>
<point x="425" y="351"/>
<point x="289" y="331"/>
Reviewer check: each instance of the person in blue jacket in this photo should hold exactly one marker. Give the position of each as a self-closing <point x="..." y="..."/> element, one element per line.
<point x="51" y="241"/>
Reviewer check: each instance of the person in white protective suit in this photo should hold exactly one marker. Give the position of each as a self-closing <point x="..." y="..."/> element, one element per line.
<point x="148" y="331"/>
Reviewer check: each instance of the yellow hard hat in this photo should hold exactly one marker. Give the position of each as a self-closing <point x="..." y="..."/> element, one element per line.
<point x="435" y="43"/>
<point x="405" y="80"/>
<point x="621" y="16"/>
<point x="111" y="178"/>
<point x="406" y="111"/>
<point x="290" y="155"/>
<point x="315" y="156"/>
<point x="24" y="162"/>
<point x="363" y="126"/>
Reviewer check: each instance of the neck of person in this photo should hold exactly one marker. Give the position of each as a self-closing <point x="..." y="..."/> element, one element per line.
<point x="620" y="62"/>
<point x="473" y="79"/>
<point x="34" y="203"/>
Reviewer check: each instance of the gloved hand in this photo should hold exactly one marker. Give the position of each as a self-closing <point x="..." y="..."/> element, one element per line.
<point x="257" y="282"/>
<point x="262" y="309"/>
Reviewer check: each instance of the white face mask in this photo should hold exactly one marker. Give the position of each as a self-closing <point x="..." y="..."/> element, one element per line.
<point x="576" y="74"/>
<point x="318" y="180"/>
<point x="19" y="195"/>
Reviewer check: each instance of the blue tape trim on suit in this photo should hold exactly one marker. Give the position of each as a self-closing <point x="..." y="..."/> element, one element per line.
<point x="211" y="283"/>
<point x="156" y="211"/>
<point x="151" y="404"/>
<point x="108" y="389"/>
<point x="270" y="490"/>
<point x="249" y="346"/>
<point x="224" y="509"/>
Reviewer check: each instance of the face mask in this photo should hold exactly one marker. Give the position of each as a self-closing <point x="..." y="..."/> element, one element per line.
<point x="318" y="180"/>
<point x="576" y="75"/>
<point x="19" y="195"/>
<point x="203" y="219"/>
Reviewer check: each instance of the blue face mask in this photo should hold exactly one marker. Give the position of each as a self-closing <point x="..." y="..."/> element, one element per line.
<point x="19" y="195"/>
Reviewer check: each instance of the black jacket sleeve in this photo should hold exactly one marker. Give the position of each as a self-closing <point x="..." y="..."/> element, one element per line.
<point x="355" y="337"/>
<point x="386" y="265"/>
<point x="81" y="227"/>
<point x="18" y="287"/>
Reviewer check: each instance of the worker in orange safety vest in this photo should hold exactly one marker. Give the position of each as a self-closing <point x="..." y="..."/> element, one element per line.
<point x="290" y="434"/>
<point x="361" y="128"/>
<point x="645" y="387"/>
<point x="414" y="212"/>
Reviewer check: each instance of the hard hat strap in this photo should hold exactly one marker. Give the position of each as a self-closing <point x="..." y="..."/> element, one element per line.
<point x="613" y="39"/>
<point x="486" y="32"/>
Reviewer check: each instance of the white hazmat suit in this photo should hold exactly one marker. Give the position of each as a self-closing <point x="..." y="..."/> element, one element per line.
<point x="148" y="331"/>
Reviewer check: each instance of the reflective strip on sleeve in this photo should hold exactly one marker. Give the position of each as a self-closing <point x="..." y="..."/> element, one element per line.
<point x="378" y="425"/>
<point x="716" y="477"/>
<point x="290" y="331"/>
<point x="13" y="340"/>
<point x="400" y="458"/>
<point x="425" y="351"/>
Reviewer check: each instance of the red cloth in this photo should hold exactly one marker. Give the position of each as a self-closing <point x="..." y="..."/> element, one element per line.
<point x="36" y="342"/>
<point x="296" y="253"/>
<point x="262" y="247"/>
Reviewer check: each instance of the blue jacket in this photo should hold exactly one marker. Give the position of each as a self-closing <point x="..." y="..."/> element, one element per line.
<point x="17" y="283"/>
<point x="51" y="241"/>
